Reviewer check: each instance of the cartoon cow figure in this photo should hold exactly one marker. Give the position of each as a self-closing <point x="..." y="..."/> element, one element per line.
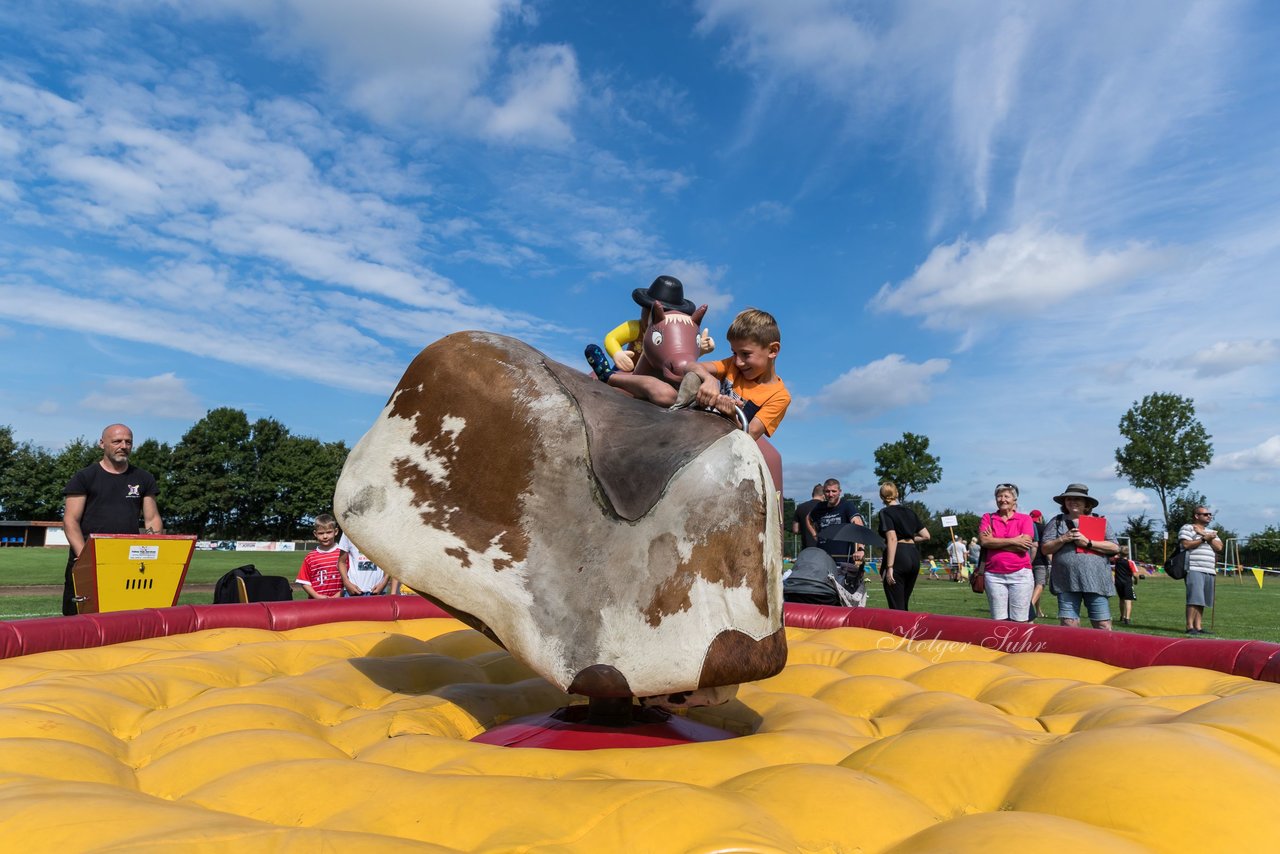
<point x="616" y="548"/>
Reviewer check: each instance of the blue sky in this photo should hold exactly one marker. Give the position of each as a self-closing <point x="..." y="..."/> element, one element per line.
<point x="995" y="223"/>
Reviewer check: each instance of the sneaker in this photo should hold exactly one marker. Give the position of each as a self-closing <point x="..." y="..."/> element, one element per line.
<point x="599" y="362"/>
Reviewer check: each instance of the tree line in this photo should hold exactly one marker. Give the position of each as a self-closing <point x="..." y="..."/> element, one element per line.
<point x="227" y="478"/>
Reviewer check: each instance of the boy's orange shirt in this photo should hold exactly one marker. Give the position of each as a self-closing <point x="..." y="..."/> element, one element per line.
<point x="769" y="399"/>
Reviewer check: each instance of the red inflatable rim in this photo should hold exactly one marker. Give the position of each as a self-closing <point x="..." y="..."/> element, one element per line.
<point x="1253" y="659"/>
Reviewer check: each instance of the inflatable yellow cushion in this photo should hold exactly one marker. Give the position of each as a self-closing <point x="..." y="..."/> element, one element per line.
<point x="354" y="737"/>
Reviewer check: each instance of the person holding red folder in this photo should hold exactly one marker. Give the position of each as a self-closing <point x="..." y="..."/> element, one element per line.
<point x="1082" y="546"/>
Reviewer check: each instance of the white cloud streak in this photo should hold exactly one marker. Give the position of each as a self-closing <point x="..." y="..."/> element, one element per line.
<point x="1226" y="357"/>
<point x="162" y="396"/>
<point x="1011" y="275"/>
<point x="889" y="383"/>
<point x="1264" y="456"/>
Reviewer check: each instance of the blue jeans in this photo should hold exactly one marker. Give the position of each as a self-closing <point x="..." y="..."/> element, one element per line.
<point x="1098" y="605"/>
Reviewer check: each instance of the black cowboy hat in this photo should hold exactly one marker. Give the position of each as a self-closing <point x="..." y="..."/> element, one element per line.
<point x="1077" y="490"/>
<point x="667" y="290"/>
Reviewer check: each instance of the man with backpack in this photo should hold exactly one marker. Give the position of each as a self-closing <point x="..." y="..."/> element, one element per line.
<point x="1203" y="545"/>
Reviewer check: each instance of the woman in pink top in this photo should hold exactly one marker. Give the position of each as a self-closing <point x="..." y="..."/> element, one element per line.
<point x="1007" y="537"/>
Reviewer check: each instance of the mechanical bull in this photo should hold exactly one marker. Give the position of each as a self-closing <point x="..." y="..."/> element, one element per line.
<point x="616" y="548"/>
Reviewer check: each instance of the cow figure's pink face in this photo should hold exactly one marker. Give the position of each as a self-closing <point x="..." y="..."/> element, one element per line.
<point x="654" y="571"/>
<point x="670" y="343"/>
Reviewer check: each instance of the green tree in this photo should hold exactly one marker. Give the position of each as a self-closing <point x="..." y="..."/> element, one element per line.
<point x="32" y="479"/>
<point x="302" y="473"/>
<point x="1165" y="446"/>
<point x="29" y="485"/>
<point x="1141" y="531"/>
<point x="940" y="537"/>
<point x="862" y="505"/>
<point x="156" y="458"/>
<point x="210" y="476"/>
<point x="7" y="446"/>
<point x="908" y="463"/>
<point x="1182" y="509"/>
<point x="1263" y="548"/>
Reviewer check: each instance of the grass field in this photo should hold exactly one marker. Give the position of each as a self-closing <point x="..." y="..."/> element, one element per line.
<point x="1244" y="611"/>
<point x="24" y="568"/>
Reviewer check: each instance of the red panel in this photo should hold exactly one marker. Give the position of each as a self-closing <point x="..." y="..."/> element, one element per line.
<point x="1252" y="658"/>
<point x="10" y="641"/>
<point x="1202" y="652"/>
<point x="1122" y="649"/>
<point x="415" y="608"/>
<point x="53" y="633"/>
<point x="1270" y="672"/>
<point x="178" y="620"/>
<point x="804" y="616"/>
<point x="249" y="615"/>
<point x="121" y="626"/>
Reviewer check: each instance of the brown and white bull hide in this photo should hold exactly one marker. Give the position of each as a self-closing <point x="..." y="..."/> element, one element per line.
<point x="615" y="547"/>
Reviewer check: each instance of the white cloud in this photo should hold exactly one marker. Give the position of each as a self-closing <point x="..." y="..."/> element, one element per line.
<point x="702" y="285"/>
<point x="1127" y="500"/>
<point x="996" y="94"/>
<point x="423" y="64"/>
<point x="769" y="211"/>
<point x="1264" y="456"/>
<point x="161" y="396"/>
<point x="801" y="477"/>
<point x="882" y="385"/>
<point x="1012" y="274"/>
<point x="1225" y="357"/>
<point x="543" y="87"/>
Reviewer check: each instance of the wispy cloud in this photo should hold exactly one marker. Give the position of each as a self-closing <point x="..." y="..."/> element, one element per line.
<point x="997" y="96"/>
<point x="162" y="396"/>
<point x="422" y="65"/>
<point x="885" y="384"/>
<point x="1128" y="500"/>
<point x="1014" y="274"/>
<point x="1225" y="357"/>
<point x="1264" y="456"/>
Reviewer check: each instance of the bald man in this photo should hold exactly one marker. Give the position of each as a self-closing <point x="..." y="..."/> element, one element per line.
<point x="107" y="497"/>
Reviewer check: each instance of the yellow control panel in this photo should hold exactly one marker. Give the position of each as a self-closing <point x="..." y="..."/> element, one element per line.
<point x="124" y="572"/>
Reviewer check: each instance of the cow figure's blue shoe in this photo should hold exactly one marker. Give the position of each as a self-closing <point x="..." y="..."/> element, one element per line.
<point x="599" y="362"/>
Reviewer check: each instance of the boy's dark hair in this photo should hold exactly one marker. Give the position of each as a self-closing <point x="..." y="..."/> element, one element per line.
<point x="755" y="326"/>
<point x="325" y="519"/>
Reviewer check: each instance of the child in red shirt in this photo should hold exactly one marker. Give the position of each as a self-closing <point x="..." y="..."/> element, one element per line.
<point x="319" y="574"/>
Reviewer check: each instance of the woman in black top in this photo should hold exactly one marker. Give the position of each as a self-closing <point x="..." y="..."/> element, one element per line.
<point x="901" y="529"/>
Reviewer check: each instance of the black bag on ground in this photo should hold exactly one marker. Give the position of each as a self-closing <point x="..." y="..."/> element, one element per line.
<point x="268" y="588"/>
<point x="1176" y="565"/>
<point x="225" y="591"/>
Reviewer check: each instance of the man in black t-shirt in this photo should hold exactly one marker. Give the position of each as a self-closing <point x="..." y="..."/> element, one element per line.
<point x="831" y="514"/>
<point x="107" y="497"/>
<point x="798" y="526"/>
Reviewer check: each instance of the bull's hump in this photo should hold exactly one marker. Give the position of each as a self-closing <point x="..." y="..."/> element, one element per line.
<point x="631" y="442"/>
